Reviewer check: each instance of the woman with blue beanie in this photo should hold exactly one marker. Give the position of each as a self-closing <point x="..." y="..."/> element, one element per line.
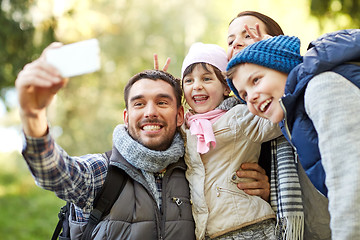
<point x="315" y="99"/>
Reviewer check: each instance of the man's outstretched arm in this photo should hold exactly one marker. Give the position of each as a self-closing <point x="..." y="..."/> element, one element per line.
<point x="36" y="85"/>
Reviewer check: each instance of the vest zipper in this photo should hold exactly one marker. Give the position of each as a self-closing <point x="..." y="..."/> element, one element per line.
<point x="288" y="130"/>
<point x="164" y="206"/>
<point x="179" y="202"/>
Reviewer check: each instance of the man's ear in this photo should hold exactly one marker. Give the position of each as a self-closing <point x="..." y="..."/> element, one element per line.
<point x="180" y="116"/>
<point x="126" y="117"/>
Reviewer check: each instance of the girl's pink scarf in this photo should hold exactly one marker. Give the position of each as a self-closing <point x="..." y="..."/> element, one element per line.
<point x="201" y="126"/>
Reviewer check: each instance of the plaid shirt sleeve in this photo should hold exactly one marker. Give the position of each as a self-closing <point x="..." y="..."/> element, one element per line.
<point x="73" y="179"/>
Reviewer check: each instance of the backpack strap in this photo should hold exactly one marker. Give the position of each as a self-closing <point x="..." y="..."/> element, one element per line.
<point x="114" y="183"/>
<point x="62" y="215"/>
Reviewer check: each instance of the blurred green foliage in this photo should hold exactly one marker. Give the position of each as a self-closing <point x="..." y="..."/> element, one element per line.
<point x="345" y="13"/>
<point x="17" y="39"/>
<point x="27" y="212"/>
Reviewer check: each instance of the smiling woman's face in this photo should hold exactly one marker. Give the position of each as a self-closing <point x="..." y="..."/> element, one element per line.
<point x="262" y="89"/>
<point x="238" y="38"/>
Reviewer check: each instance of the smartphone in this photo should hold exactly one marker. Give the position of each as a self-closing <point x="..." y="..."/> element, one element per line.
<point x="76" y="58"/>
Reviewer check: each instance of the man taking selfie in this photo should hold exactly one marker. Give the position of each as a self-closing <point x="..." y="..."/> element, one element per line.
<point x="154" y="203"/>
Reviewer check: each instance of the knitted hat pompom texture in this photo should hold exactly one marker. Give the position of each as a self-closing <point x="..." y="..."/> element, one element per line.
<point x="206" y="53"/>
<point x="281" y="53"/>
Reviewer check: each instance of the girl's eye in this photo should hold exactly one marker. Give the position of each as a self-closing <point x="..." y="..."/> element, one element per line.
<point x="247" y="36"/>
<point x="230" y="43"/>
<point x="206" y="79"/>
<point x="187" y="80"/>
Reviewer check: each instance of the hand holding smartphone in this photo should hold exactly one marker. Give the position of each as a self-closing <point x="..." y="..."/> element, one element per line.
<point x="76" y="58"/>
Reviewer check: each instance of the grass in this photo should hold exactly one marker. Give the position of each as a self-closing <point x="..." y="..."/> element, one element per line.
<point x="27" y="211"/>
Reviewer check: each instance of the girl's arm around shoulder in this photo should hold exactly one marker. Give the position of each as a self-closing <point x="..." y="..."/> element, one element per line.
<point x="254" y="127"/>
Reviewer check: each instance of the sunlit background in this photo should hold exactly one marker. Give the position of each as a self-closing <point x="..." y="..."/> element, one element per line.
<point x="84" y="114"/>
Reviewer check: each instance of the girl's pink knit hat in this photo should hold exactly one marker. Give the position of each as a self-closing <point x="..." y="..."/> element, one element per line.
<point x="206" y="53"/>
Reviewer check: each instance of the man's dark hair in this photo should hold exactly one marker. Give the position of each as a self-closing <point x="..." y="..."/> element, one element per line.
<point x="155" y="75"/>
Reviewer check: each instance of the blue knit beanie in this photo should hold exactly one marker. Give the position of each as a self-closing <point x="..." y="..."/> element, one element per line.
<point x="281" y="53"/>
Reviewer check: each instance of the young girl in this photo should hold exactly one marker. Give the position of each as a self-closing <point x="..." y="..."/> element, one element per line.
<point x="315" y="99"/>
<point x="221" y="134"/>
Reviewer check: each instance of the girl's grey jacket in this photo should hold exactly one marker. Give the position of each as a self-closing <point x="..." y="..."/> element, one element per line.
<point x="136" y="216"/>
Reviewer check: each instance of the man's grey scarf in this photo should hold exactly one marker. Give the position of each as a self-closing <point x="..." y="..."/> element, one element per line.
<point x="147" y="160"/>
<point x="285" y="191"/>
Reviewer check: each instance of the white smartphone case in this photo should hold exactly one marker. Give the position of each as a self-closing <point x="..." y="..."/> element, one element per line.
<point x="76" y="58"/>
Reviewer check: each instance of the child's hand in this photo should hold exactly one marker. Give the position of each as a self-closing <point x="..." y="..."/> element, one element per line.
<point x="258" y="36"/>
<point x="260" y="187"/>
<point x="156" y="63"/>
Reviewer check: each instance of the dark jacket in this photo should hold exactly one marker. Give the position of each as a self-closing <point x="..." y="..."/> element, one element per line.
<point x="135" y="215"/>
<point x="331" y="52"/>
